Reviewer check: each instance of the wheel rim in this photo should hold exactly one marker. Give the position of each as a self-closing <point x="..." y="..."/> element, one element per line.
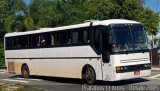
<point x="88" y="75"/>
<point x="25" y="73"/>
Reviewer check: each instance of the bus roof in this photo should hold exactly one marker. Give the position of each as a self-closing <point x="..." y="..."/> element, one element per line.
<point x="86" y="24"/>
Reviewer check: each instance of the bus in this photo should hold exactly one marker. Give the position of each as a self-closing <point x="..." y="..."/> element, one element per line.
<point x="107" y="50"/>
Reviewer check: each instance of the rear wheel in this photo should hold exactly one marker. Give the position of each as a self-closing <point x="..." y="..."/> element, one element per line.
<point x="90" y="75"/>
<point x="25" y="72"/>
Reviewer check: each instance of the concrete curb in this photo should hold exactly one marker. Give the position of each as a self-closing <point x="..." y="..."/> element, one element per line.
<point x="1" y="71"/>
<point x="153" y="68"/>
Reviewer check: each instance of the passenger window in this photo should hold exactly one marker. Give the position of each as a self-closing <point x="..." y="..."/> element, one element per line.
<point x="56" y="38"/>
<point x="85" y="36"/>
<point x="16" y="42"/>
<point x="35" y="40"/>
<point x="63" y="37"/>
<point x="42" y="40"/>
<point x="75" y="37"/>
<point x="23" y="41"/>
<point x="47" y="39"/>
<point x="68" y="37"/>
<point x="52" y="39"/>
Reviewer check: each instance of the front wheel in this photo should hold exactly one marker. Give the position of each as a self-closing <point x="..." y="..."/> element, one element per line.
<point x="25" y="71"/>
<point x="90" y="75"/>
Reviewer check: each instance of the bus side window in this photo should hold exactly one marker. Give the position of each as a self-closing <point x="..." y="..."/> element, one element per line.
<point x="30" y="41"/>
<point x="23" y="41"/>
<point x="8" y="43"/>
<point x="52" y="39"/>
<point x="85" y="36"/>
<point x="35" y="40"/>
<point x="96" y="39"/>
<point x="39" y="41"/>
<point x="63" y="38"/>
<point x="69" y="37"/>
<point x="16" y="42"/>
<point x="75" y="37"/>
<point x="42" y="40"/>
<point x="47" y="37"/>
<point x="55" y="38"/>
<point x="27" y="41"/>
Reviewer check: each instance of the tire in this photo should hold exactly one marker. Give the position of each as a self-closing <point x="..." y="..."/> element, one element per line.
<point x="90" y="76"/>
<point x="25" y="72"/>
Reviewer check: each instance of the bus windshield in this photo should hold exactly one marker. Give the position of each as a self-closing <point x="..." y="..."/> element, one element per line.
<point x="129" y="38"/>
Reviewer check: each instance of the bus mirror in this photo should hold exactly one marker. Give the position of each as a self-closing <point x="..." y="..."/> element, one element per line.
<point x="106" y="57"/>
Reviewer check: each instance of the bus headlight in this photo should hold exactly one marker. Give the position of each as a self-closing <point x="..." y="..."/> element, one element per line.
<point x="125" y="68"/>
<point x="132" y="68"/>
<point x="118" y="68"/>
<point x="145" y="65"/>
<point x="122" y="68"/>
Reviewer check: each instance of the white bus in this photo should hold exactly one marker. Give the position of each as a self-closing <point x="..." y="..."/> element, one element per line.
<point x="108" y="50"/>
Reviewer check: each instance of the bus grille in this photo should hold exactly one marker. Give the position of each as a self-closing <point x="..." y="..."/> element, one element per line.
<point x="134" y="60"/>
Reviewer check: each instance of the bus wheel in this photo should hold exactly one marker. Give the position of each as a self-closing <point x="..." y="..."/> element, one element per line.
<point x="90" y="75"/>
<point x="25" y="71"/>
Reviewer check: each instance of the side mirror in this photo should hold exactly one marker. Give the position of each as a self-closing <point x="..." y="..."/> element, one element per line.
<point x="106" y="57"/>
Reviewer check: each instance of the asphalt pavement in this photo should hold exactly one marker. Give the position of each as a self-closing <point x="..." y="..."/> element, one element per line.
<point x="148" y="83"/>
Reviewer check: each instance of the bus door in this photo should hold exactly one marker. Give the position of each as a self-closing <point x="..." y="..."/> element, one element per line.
<point x="106" y="66"/>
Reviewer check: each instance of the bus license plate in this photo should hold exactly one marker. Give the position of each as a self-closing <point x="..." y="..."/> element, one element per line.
<point x="137" y="72"/>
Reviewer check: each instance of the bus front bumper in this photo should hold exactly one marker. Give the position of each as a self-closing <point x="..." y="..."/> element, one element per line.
<point x="131" y="75"/>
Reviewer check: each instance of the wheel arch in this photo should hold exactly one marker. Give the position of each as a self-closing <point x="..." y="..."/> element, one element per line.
<point x="24" y="64"/>
<point x="84" y="68"/>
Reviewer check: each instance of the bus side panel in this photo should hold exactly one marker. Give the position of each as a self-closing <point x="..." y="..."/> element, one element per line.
<point x="97" y="66"/>
<point x="56" y="67"/>
<point x="64" y="67"/>
<point x="58" y="62"/>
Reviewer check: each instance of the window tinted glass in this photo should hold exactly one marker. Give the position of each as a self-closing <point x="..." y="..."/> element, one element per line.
<point x="73" y="37"/>
<point x="63" y="37"/>
<point x="97" y="38"/>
